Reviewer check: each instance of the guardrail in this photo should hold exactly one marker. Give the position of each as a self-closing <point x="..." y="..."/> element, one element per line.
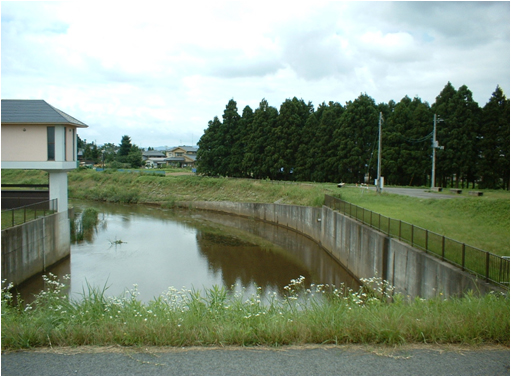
<point x="20" y="215"/>
<point x="493" y="268"/>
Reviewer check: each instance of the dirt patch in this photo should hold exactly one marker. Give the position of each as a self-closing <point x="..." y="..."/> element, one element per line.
<point x="177" y="174"/>
<point x="377" y="349"/>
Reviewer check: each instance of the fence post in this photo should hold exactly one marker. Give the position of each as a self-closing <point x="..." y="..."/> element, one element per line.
<point x="24" y="215"/>
<point x="463" y="257"/>
<point x="426" y="248"/>
<point x="443" y="247"/>
<point x="399" y="230"/>
<point x="412" y="235"/>
<point x="12" y="211"/>
<point x="487" y="266"/>
<point x="371" y="219"/>
<point x="389" y="228"/>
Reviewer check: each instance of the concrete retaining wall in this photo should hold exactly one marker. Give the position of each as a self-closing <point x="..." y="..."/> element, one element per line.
<point x="30" y="248"/>
<point x="365" y="252"/>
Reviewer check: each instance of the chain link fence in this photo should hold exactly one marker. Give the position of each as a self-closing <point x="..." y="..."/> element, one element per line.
<point x="493" y="268"/>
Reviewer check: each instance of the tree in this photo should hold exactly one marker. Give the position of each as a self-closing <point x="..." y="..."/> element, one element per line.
<point x="355" y="136"/>
<point x="406" y="142"/>
<point x="134" y="157"/>
<point x="256" y="162"/>
<point x="240" y="147"/>
<point x="326" y="149"/>
<point x="124" y="149"/>
<point x="459" y="134"/>
<point x="494" y="166"/>
<point x="286" y="137"/>
<point x="207" y="160"/>
<point x="109" y="151"/>
<point x="228" y="136"/>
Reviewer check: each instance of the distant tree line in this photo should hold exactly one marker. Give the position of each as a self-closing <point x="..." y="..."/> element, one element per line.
<point x="124" y="155"/>
<point x="339" y="143"/>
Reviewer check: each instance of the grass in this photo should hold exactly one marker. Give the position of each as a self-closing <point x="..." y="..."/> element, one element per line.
<point x="482" y="222"/>
<point x="307" y="314"/>
<point x="83" y="225"/>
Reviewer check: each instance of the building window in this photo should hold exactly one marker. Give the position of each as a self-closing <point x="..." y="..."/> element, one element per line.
<point x="51" y="143"/>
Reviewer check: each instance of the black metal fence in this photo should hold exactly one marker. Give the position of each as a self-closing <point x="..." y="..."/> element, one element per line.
<point x="493" y="268"/>
<point x="20" y="215"/>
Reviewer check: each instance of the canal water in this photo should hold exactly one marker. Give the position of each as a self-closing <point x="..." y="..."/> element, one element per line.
<point x="155" y="248"/>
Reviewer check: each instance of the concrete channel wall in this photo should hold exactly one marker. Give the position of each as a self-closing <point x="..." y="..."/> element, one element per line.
<point x="364" y="251"/>
<point x="30" y="248"/>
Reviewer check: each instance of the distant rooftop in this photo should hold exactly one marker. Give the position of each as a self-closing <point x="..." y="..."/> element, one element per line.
<point x="187" y="148"/>
<point x="27" y="111"/>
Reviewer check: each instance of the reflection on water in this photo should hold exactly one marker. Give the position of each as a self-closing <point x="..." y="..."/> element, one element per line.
<point x="157" y="249"/>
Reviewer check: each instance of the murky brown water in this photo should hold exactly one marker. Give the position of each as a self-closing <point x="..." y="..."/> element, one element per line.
<point x="156" y="249"/>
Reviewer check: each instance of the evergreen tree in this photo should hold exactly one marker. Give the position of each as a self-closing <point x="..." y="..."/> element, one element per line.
<point x="228" y="136"/>
<point x="407" y="143"/>
<point x="305" y="155"/>
<point x="355" y="136"/>
<point x="256" y="161"/>
<point x="443" y="106"/>
<point x="124" y="149"/>
<point x="494" y="165"/>
<point x="240" y="148"/>
<point x="459" y="135"/>
<point x="286" y="137"/>
<point x="207" y="160"/>
<point x="325" y="150"/>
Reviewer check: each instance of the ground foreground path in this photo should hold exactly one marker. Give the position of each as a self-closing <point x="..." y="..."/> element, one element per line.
<point x="259" y="361"/>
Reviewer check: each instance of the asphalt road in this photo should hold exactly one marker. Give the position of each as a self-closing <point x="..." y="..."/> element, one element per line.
<point x="417" y="193"/>
<point x="259" y="361"/>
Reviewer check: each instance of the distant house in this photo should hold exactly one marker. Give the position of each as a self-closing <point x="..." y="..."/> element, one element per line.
<point x="36" y="135"/>
<point x="155" y="162"/>
<point x="152" y="154"/>
<point x="182" y="156"/>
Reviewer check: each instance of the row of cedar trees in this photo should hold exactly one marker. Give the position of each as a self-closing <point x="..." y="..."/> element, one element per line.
<point x="336" y="143"/>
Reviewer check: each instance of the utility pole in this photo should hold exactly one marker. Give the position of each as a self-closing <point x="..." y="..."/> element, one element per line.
<point x="378" y="180"/>
<point x="434" y="146"/>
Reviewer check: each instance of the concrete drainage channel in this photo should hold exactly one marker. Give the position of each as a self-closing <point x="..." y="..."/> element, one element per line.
<point x="364" y="251"/>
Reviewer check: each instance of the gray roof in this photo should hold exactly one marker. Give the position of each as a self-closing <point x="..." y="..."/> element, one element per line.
<point x="26" y="111"/>
<point x="153" y="154"/>
<point x="186" y="148"/>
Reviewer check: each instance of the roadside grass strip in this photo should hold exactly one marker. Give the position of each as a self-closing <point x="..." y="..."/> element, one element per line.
<point x="307" y="314"/>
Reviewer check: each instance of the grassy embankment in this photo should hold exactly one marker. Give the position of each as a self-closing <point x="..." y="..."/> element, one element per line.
<point x="215" y="317"/>
<point x="482" y="222"/>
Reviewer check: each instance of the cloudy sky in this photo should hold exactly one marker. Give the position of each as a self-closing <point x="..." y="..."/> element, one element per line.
<point x="159" y="71"/>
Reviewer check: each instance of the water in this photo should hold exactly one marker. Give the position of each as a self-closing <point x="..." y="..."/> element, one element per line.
<point x="156" y="249"/>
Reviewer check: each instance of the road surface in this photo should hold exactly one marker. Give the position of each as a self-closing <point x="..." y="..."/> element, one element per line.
<point x="418" y="193"/>
<point x="285" y="361"/>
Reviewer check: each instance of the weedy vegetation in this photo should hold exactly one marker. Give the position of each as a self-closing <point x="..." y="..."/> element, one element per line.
<point x="318" y="314"/>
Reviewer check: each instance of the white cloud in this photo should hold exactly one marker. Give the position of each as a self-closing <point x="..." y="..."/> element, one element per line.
<point x="159" y="71"/>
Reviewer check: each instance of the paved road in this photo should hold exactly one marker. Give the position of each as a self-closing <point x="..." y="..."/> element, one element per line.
<point x="303" y="361"/>
<point x="418" y="193"/>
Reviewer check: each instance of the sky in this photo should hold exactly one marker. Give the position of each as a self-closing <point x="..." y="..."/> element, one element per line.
<point x="159" y="71"/>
